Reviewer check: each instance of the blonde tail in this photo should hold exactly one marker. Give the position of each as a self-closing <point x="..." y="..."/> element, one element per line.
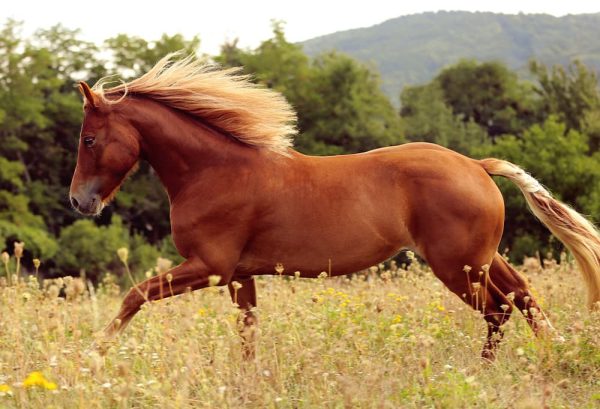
<point x="577" y="233"/>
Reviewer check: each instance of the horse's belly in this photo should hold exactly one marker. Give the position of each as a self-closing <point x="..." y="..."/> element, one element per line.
<point x="336" y="249"/>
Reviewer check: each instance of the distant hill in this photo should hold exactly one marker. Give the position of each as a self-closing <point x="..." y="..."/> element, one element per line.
<point x="411" y="49"/>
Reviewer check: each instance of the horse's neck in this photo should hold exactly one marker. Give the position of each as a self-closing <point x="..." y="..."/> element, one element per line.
<point x="180" y="148"/>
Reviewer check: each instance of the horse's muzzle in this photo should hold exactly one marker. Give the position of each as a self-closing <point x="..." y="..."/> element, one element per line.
<point x="89" y="205"/>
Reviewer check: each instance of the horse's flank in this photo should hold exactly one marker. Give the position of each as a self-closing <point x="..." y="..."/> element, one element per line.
<point x="225" y="99"/>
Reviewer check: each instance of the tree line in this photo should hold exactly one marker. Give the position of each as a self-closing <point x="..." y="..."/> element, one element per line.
<point x="549" y="124"/>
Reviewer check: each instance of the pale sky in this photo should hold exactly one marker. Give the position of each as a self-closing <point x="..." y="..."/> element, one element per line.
<point x="216" y="21"/>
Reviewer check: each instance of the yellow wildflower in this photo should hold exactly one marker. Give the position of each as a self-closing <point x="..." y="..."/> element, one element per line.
<point x="37" y="379"/>
<point x="4" y="388"/>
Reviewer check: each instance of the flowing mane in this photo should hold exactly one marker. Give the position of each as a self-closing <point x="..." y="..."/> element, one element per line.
<point x="254" y="115"/>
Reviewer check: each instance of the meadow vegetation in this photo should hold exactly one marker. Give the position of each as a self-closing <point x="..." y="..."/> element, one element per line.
<point x="388" y="337"/>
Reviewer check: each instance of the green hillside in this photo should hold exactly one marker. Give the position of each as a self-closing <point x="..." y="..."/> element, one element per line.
<point x="412" y="49"/>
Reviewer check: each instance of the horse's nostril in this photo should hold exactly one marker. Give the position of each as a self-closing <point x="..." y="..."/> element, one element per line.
<point x="75" y="203"/>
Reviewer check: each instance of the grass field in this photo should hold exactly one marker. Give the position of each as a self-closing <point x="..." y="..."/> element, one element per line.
<point x="378" y="340"/>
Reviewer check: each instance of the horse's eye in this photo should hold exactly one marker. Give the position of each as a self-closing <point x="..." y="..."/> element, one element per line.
<point x="89" y="141"/>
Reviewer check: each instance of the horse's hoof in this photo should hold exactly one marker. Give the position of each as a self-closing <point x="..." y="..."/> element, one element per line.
<point x="488" y="356"/>
<point x="91" y="349"/>
<point x="100" y="345"/>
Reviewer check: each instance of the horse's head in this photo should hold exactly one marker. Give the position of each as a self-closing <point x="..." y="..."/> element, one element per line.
<point x="109" y="149"/>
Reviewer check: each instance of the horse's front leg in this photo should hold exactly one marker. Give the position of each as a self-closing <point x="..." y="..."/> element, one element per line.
<point x="192" y="274"/>
<point x="243" y="293"/>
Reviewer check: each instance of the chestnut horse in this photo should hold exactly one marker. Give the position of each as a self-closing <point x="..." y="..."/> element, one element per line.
<point x="242" y="200"/>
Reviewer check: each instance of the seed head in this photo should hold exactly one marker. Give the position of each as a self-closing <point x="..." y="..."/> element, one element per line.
<point x="466" y="268"/>
<point x="36" y="263"/>
<point x="297" y="274"/>
<point x="19" y="249"/>
<point x="5" y="257"/>
<point x="504" y="307"/>
<point x="169" y="277"/>
<point x="53" y="291"/>
<point x="236" y="285"/>
<point x="123" y="253"/>
<point x="279" y="268"/>
<point x="163" y="265"/>
<point x="213" y="280"/>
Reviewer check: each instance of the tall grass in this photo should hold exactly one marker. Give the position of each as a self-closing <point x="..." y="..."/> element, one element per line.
<point x="382" y="339"/>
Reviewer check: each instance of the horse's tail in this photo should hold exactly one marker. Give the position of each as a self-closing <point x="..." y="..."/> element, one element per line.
<point x="577" y="233"/>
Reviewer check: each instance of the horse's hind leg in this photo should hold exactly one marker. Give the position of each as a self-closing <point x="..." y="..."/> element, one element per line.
<point x="512" y="284"/>
<point x="244" y="295"/>
<point x="466" y="277"/>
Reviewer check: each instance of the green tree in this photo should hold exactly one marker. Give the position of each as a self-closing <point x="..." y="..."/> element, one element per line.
<point x="572" y="94"/>
<point x="42" y="112"/>
<point x="17" y="222"/>
<point x="427" y="118"/>
<point x="345" y="110"/>
<point x="280" y="65"/>
<point x="133" y="56"/>
<point x="231" y="55"/>
<point x="87" y="246"/>
<point x="488" y="94"/>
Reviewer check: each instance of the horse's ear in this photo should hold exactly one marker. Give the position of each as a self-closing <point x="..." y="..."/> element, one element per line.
<point x="90" y="96"/>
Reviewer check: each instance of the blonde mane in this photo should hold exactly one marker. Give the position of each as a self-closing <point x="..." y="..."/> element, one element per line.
<point x="225" y="99"/>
